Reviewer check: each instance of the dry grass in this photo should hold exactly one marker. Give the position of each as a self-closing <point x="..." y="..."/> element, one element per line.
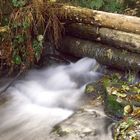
<point x="41" y="20"/>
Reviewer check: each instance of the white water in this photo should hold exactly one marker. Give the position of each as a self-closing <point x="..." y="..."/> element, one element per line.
<point x="44" y="98"/>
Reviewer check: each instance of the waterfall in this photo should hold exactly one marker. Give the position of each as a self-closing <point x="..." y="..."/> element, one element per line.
<point x="44" y="98"/>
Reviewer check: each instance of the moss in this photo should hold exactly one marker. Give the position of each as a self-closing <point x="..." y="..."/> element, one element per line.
<point x="114" y="108"/>
<point x="89" y="89"/>
<point x="58" y="130"/>
<point x="127" y="129"/>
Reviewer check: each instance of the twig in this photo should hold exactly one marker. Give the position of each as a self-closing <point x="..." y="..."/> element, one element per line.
<point x="58" y="57"/>
<point x="12" y="81"/>
<point x="46" y="28"/>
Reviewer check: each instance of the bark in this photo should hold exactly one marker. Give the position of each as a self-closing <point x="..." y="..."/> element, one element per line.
<point x="129" y="41"/>
<point x="98" y="18"/>
<point x="102" y="53"/>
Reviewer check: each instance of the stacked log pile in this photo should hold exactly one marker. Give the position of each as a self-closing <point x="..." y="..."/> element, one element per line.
<point x="114" y="35"/>
<point x="114" y="38"/>
<point x="104" y="54"/>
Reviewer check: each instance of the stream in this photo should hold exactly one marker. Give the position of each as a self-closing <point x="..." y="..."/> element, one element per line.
<point x="44" y="98"/>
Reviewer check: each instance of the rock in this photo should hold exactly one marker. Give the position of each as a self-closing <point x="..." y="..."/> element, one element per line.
<point x="122" y="101"/>
<point x="87" y="124"/>
<point x="94" y="89"/>
<point x="120" y="97"/>
<point x="128" y="109"/>
<point x="127" y="129"/>
<point x="89" y="89"/>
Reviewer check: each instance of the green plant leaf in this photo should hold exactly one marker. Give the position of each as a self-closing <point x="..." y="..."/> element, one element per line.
<point x="19" y="3"/>
<point x="97" y="4"/>
<point x="20" y="39"/>
<point x="26" y="25"/>
<point x="17" y="59"/>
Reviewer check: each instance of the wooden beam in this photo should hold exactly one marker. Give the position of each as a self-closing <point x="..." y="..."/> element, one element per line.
<point x="104" y="54"/>
<point x="115" y="21"/>
<point x="111" y="37"/>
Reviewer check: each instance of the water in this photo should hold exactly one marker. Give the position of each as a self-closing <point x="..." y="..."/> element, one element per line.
<point x="44" y="98"/>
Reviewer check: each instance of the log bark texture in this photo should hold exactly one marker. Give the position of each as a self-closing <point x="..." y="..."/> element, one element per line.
<point x="102" y="53"/>
<point x="114" y="38"/>
<point x="97" y="18"/>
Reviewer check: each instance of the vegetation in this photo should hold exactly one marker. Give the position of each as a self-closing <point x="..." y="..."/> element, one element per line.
<point x="130" y="7"/>
<point x="24" y="25"/>
<point x="112" y="5"/>
<point x="121" y="102"/>
<point x="23" y="32"/>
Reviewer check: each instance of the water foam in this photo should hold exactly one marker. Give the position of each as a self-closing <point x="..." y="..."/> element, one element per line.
<point x="44" y="98"/>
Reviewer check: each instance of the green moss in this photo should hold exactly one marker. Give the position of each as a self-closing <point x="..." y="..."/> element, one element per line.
<point x="89" y="89"/>
<point x="58" y="130"/>
<point x="114" y="108"/>
<point x="127" y="129"/>
<point x="119" y="95"/>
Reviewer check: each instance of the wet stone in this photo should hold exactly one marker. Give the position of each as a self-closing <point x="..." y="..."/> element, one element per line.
<point x="85" y="124"/>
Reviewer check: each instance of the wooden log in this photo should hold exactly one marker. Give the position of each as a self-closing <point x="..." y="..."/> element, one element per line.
<point x="102" y="53"/>
<point x="98" y="18"/>
<point x="114" y="38"/>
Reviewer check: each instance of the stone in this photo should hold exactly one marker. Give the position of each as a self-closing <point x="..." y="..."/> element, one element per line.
<point x="86" y="123"/>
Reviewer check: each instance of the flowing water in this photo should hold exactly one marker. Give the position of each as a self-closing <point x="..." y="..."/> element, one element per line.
<point x="44" y="98"/>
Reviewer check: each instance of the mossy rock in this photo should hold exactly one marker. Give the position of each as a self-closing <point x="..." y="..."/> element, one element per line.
<point x="90" y="89"/>
<point x="119" y="95"/>
<point x="113" y="108"/>
<point x="94" y="89"/>
<point x="120" y="98"/>
<point x="127" y="129"/>
<point x="58" y="130"/>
